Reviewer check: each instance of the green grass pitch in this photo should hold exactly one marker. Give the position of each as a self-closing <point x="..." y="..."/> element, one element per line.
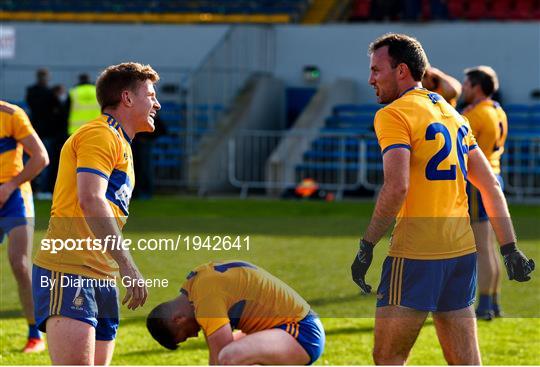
<point x="310" y="246"/>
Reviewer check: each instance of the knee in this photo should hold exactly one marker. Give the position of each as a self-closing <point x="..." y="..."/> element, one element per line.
<point x="229" y="356"/>
<point x="385" y="356"/>
<point x="20" y="267"/>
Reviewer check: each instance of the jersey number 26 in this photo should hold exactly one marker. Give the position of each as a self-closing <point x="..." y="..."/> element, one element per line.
<point x="433" y="173"/>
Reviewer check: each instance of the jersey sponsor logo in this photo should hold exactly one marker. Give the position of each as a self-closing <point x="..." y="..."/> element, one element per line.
<point x="123" y="194"/>
<point x="119" y="190"/>
<point x="78" y="301"/>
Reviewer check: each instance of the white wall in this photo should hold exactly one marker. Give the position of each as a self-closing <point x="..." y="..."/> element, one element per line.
<point x="512" y="49"/>
<point x="69" y="49"/>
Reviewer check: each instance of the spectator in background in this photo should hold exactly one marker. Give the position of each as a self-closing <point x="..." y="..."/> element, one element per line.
<point x="385" y="9"/>
<point x="143" y="161"/>
<point x="41" y="101"/>
<point x="83" y="102"/>
<point x="60" y="127"/>
<point x="443" y="84"/>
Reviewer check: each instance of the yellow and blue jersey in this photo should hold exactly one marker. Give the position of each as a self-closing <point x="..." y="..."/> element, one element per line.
<point x="490" y="128"/>
<point x="433" y="222"/>
<point x="242" y="294"/>
<point x="100" y="147"/>
<point x="14" y="126"/>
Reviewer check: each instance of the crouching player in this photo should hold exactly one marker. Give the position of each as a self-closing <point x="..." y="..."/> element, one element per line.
<point x="277" y="325"/>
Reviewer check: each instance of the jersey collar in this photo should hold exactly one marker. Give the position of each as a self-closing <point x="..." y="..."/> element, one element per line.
<point x="410" y="89"/>
<point x="116" y="125"/>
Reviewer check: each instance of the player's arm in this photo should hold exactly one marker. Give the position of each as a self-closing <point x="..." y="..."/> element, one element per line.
<point x="217" y="341"/>
<point x="450" y="86"/>
<point x="396" y="166"/>
<point x="39" y="159"/>
<point x="481" y="176"/>
<point x="91" y="189"/>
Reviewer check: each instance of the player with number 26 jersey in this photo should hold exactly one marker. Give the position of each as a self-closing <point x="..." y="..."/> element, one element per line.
<point x="433" y="222"/>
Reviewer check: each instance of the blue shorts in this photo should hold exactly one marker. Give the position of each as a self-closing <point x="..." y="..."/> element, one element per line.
<point x="309" y="333"/>
<point x="428" y="285"/>
<point x="76" y="297"/>
<point x="15" y="211"/>
<point x="477" y="211"/>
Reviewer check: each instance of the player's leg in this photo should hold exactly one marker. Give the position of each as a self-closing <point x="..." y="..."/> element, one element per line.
<point x="498" y="268"/>
<point x="292" y="343"/>
<point x="107" y="323"/>
<point x="458" y="337"/>
<point x="19" y="253"/>
<point x="396" y="330"/>
<point x="407" y="292"/>
<point x="486" y="268"/>
<point x="104" y="352"/>
<point x="71" y="342"/>
<point x="65" y="308"/>
<point x="267" y="347"/>
<point x="454" y="318"/>
<point x="19" y="213"/>
<point x="496" y="260"/>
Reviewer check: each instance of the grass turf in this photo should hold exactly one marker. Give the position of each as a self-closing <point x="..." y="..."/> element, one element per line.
<point x="307" y="244"/>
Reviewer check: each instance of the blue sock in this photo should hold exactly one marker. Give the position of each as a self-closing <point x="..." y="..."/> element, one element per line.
<point x="485" y="302"/>
<point x="33" y="331"/>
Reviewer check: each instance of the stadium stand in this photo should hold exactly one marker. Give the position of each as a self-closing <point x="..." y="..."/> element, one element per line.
<point x="472" y="10"/>
<point x="170" y="149"/>
<point x="337" y="153"/>
<point x="338" y="149"/>
<point x="161" y="11"/>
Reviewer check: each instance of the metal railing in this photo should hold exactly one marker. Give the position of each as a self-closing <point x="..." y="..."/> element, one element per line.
<point x="338" y="170"/>
<point x="520" y="167"/>
<point x="340" y="162"/>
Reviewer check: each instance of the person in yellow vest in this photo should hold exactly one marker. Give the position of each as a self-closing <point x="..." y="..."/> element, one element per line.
<point x="84" y="105"/>
<point x="443" y="84"/>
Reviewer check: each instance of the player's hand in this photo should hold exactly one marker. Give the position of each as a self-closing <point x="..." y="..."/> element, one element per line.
<point x="6" y="190"/>
<point x="361" y="264"/>
<point x="136" y="293"/>
<point x="517" y="265"/>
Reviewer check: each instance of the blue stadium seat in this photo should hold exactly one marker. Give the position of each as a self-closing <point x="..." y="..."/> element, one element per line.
<point x="365" y="109"/>
<point x="516" y="109"/>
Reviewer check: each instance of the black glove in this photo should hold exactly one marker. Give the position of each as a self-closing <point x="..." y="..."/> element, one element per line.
<point x="361" y="264"/>
<point x="517" y="265"/>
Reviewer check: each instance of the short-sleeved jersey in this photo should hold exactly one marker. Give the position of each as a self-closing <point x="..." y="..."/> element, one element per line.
<point x="100" y="147"/>
<point x="433" y="222"/>
<point x="242" y="294"/>
<point x="490" y="128"/>
<point x="14" y="126"/>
